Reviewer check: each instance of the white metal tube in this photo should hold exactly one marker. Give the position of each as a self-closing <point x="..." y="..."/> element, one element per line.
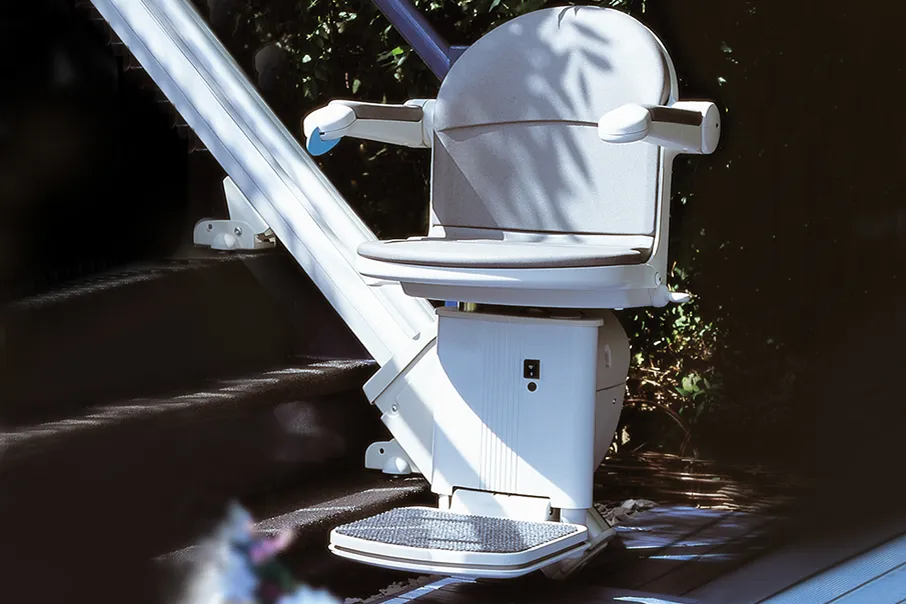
<point x="305" y="211"/>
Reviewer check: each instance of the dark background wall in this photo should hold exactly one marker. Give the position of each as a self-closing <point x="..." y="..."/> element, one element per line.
<point x="796" y="229"/>
<point x="796" y="226"/>
<point x="91" y="174"/>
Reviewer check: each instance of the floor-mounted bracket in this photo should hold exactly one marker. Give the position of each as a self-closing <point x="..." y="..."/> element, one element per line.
<point x="389" y="457"/>
<point x="245" y="230"/>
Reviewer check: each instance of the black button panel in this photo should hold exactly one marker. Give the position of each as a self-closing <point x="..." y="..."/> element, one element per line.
<point x="531" y="369"/>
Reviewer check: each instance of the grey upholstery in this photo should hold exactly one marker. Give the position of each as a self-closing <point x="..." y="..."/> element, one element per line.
<point x="543" y="177"/>
<point x="516" y="146"/>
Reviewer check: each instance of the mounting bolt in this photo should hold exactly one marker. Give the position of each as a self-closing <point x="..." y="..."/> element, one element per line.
<point x="394" y="408"/>
<point x="238" y="231"/>
<point x="657" y="278"/>
<point x="210" y="227"/>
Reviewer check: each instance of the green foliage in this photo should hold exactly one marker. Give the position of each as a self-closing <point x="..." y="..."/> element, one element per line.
<point x="673" y="369"/>
<point x="327" y="38"/>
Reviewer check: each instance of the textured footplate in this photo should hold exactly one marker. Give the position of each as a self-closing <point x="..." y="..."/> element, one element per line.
<point x="429" y="540"/>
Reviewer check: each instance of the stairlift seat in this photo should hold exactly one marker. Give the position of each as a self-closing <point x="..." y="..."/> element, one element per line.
<point x="490" y="253"/>
<point x="516" y="149"/>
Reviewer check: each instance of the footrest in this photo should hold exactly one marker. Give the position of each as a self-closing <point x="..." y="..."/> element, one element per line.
<point x="420" y="539"/>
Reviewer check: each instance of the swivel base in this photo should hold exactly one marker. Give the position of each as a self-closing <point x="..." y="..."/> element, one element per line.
<point x="428" y="540"/>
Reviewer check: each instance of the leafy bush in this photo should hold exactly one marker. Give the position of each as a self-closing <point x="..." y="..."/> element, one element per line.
<point x="673" y="369"/>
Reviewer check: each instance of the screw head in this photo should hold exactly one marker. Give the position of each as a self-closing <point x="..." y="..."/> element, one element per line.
<point x="238" y="231"/>
<point x="210" y="227"/>
<point x="657" y="278"/>
<point x="394" y="408"/>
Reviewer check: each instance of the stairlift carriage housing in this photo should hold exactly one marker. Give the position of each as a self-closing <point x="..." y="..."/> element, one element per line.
<point x="553" y="139"/>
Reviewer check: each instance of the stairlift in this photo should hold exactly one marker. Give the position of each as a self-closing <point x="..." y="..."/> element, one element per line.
<point x="552" y="140"/>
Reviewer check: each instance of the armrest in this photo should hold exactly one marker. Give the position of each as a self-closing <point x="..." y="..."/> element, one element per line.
<point x="409" y="124"/>
<point x="686" y="126"/>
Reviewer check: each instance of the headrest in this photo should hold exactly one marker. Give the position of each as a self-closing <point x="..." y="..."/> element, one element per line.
<point x="569" y="64"/>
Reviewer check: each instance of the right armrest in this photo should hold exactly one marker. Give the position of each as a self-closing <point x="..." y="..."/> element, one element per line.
<point x="687" y="126"/>
<point x="408" y="124"/>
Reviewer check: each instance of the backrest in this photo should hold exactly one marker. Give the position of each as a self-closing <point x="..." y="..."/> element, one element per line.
<point x="516" y="145"/>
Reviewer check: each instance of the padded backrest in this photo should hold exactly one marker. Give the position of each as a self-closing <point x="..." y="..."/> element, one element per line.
<point x="516" y="145"/>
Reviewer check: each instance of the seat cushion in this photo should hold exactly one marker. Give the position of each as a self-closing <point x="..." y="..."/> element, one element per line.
<point x="498" y="254"/>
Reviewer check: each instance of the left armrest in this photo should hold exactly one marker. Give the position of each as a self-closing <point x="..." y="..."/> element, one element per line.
<point x="686" y="126"/>
<point x="408" y="124"/>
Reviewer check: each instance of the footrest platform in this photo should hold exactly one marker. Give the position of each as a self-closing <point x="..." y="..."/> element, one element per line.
<point x="421" y="539"/>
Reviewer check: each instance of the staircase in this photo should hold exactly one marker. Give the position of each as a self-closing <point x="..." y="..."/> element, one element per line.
<point x="135" y="404"/>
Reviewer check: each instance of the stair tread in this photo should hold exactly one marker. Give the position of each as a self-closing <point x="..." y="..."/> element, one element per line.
<point x="189" y="260"/>
<point x="162" y="326"/>
<point x="313" y="379"/>
<point x="313" y="510"/>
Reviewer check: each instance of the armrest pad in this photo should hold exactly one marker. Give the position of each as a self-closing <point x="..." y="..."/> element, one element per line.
<point x="688" y="127"/>
<point x="379" y="111"/>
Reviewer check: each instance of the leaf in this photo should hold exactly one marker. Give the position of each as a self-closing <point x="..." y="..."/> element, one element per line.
<point x="356" y="84"/>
